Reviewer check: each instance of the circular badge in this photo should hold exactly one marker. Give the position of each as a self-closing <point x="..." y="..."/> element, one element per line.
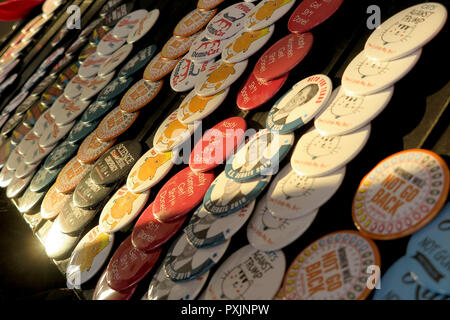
<point x="98" y="34"/>
<point x="88" y="257"/>
<point x="159" y="67"/>
<point x="311" y="13"/>
<point x="283" y="56"/>
<point x="88" y="194"/>
<point x="60" y="155"/>
<point x="267" y="12"/>
<point x="114" y="88"/>
<point x="104" y="292"/>
<point x="248" y="274"/>
<point x="36" y="153"/>
<point x="6" y="177"/>
<point x="23" y="170"/>
<point x="118" y="13"/>
<point x="193" y="22"/>
<point x="150" y="169"/>
<point x="88" y="29"/>
<point x="115" y="60"/>
<point x="95" y="85"/>
<point x="90" y="67"/>
<point x="266" y="232"/>
<point x="334" y="267"/>
<point x="76" y="45"/>
<point x="38" y="75"/>
<point x="365" y="76"/>
<point x="51" y="5"/>
<point x="186" y="73"/>
<point x="109" y="44"/>
<point x="316" y="155"/>
<point x="80" y="131"/>
<point x="128" y="265"/>
<point x="71" y="175"/>
<point x="208" y="4"/>
<point x="53" y="202"/>
<point x="44" y="121"/>
<point x="403" y="193"/>
<point x="140" y="94"/>
<point x="206" y="230"/>
<point x="226" y="196"/>
<point x="75" y="87"/>
<point x="87" y="51"/>
<point x="125" y="25"/>
<point x="149" y="233"/>
<point x="17" y="185"/>
<point x="171" y="133"/>
<point x="205" y="49"/>
<point x="175" y="47"/>
<point x="14" y="103"/>
<point x="53" y="134"/>
<point x="33" y="114"/>
<point x="143" y="26"/>
<point x="11" y="124"/>
<point x="300" y="105"/>
<point x="406" y="31"/>
<point x="19" y="132"/>
<point x="73" y="219"/>
<point x="43" y="85"/>
<point x="291" y="196"/>
<point x="217" y="144"/>
<point x="43" y="178"/>
<point x="218" y="77"/>
<point x="115" y="123"/>
<point x="67" y="111"/>
<point x="139" y="61"/>
<point x="29" y="199"/>
<point x="246" y="43"/>
<point x="92" y="148"/>
<point x="5" y="150"/>
<point x="14" y="160"/>
<point x="182" y="193"/>
<point x="185" y="262"/>
<point x="59" y="245"/>
<point x="97" y="110"/>
<point x="195" y="108"/>
<point x="345" y="113"/>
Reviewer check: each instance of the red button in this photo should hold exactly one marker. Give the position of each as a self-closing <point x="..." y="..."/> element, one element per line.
<point x="104" y="292"/>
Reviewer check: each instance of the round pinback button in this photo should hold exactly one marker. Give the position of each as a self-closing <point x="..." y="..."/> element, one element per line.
<point x="115" y="60"/>
<point x="44" y="121"/>
<point x="163" y="288"/>
<point x="43" y="178"/>
<point x="73" y="219"/>
<point x="67" y="111"/>
<point x="43" y="85"/>
<point x="139" y="61"/>
<point x="140" y="94"/>
<point x="115" y="123"/>
<point x="185" y="262"/>
<point x="208" y="4"/>
<point x="95" y="85"/>
<point x="128" y="265"/>
<point x="111" y="18"/>
<point x="226" y="196"/>
<point x="217" y="144"/>
<point x="6" y="177"/>
<point x="316" y="155"/>
<point x="14" y="160"/>
<point x="300" y="105"/>
<point x="88" y="50"/>
<point x="186" y="73"/>
<point x="114" y="88"/>
<point x="76" y="45"/>
<point x="63" y="63"/>
<point x="206" y="230"/>
<point x="365" y="76"/>
<point x="75" y="87"/>
<point x="92" y="148"/>
<point x="283" y="56"/>
<point x="182" y="193"/>
<point x="246" y="43"/>
<point x="29" y="200"/>
<point x="291" y="196"/>
<point x="150" y="169"/>
<point x="123" y="207"/>
<point x="267" y="12"/>
<point x="71" y="175"/>
<point x="266" y="232"/>
<point x="5" y="151"/>
<point x="33" y="114"/>
<point x="402" y="194"/>
<point x="310" y="14"/>
<point x="90" y="67"/>
<point x="159" y="67"/>
<point x="88" y="257"/>
<point x="11" y="124"/>
<point x="27" y="104"/>
<point x="104" y="292"/>
<point x="80" y="131"/>
<point x="59" y="245"/>
<point x="53" y="134"/>
<point x="60" y="155"/>
<point x="24" y="170"/>
<point x="88" y="194"/>
<point x="97" y="110"/>
<point x="171" y="133"/>
<point x="176" y="47"/>
<point x="142" y="27"/>
<point x="19" y="133"/>
<point x="109" y="44"/>
<point x="205" y="49"/>
<point x="218" y="77"/>
<point x="15" y="102"/>
<point x="193" y="22"/>
<point x="17" y="185"/>
<point x="37" y="76"/>
<point x="343" y="256"/>
<point x="125" y="25"/>
<point x="261" y="155"/>
<point x="149" y="233"/>
<point x="88" y="29"/>
<point x="426" y="263"/>
<point x="406" y="31"/>
<point x="345" y="113"/>
<point x="248" y="274"/>
<point x="53" y="202"/>
<point x="195" y="107"/>
<point x="229" y="21"/>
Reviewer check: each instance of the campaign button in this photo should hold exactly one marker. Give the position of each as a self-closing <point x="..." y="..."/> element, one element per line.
<point x="65" y="111"/>
<point x="217" y="144"/>
<point x="14" y="103"/>
<point x="193" y="22"/>
<point x="64" y="62"/>
<point x="109" y="44"/>
<point x="140" y="94"/>
<point x="248" y="274"/>
<point x="267" y="12"/>
<point x="125" y="25"/>
<point x="182" y="193"/>
<point x="60" y="155"/>
<point x="226" y="196"/>
<point x="44" y="121"/>
<point x="14" y="160"/>
<point x="116" y="162"/>
<point x="143" y="26"/>
<point x="73" y="219"/>
<point x="128" y="265"/>
<point x="88" y="50"/>
<point x="75" y="87"/>
<point x="43" y="85"/>
<point x="149" y="233"/>
<point x="300" y="105"/>
<point x="43" y="178"/>
<point x="90" y="67"/>
<point x="187" y="72"/>
<point x="104" y="292"/>
<point x="205" y="49"/>
<point x="88" y="257"/>
<point x="6" y="177"/>
<point x="80" y="131"/>
<point x="208" y="5"/>
<point x="139" y="61"/>
<point x="58" y="245"/>
<point x="345" y="113"/>
<point x="283" y="56"/>
<point x="291" y="196"/>
<point x="311" y="13"/>
<point x="88" y="194"/>
<point x="17" y="185"/>
<point x="76" y="45"/>
<point x="171" y="133"/>
<point x="53" y="202"/>
<point x="29" y="199"/>
<point x="206" y="230"/>
<point x="97" y="110"/>
<point x="150" y="169"/>
<point x="37" y="75"/>
<point x="5" y="150"/>
<point x="246" y="43"/>
<point x="406" y="31"/>
<point x="66" y="75"/>
<point x="23" y="170"/>
<point x="267" y="232"/>
<point x="27" y="104"/>
<point x="88" y="29"/>
<point x="118" y="13"/>
<point x="115" y="123"/>
<point x="27" y="142"/>
<point x="54" y="133"/>
<point x="19" y="133"/>
<point x="115" y="60"/>
<point x="175" y="47"/>
<point x="401" y="194"/>
<point x="185" y="262"/>
<point x="95" y="85"/>
<point x="305" y="278"/>
<point x="33" y="114"/>
<point x="365" y="76"/>
<point x="159" y="67"/>
<point x="195" y="108"/>
<point x="92" y="148"/>
<point x="218" y="77"/>
<point x="71" y="175"/>
<point x="114" y="88"/>
<point x="11" y="124"/>
<point x="316" y="155"/>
